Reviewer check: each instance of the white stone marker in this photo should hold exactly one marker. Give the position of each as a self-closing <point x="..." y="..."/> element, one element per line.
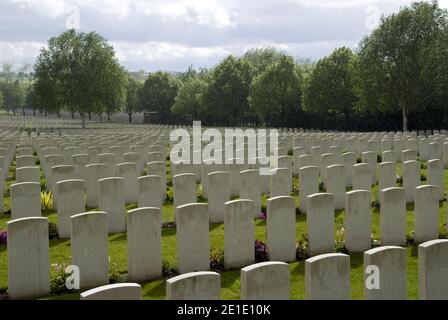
<point x="250" y="189"/>
<point x="358" y="221"/>
<point x="411" y="179"/>
<point x="184" y="187"/>
<point x="239" y="234"/>
<point x="28" y="174"/>
<point x="265" y="281"/>
<point x="426" y="213"/>
<point x="71" y="202"/>
<point x="393" y="217"/>
<point x="408" y="155"/>
<point x="391" y="264"/>
<point x="94" y="173"/>
<point x="309" y="184"/>
<point x="281" y="229"/>
<point x="203" y="285"/>
<point x="389" y="156"/>
<point x="432" y="267"/>
<point x="117" y="291"/>
<point x="436" y="177"/>
<point x="25" y="161"/>
<point x="218" y="195"/>
<point x="128" y="171"/>
<point x="79" y="163"/>
<point x="327" y="277"/>
<point x="387" y="175"/>
<point x="305" y="161"/>
<point x="25" y="200"/>
<point x="336" y="185"/>
<point x="192" y="234"/>
<point x="349" y="162"/>
<point x="144" y="244"/>
<point x="320" y="223"/>
<point x="112" y="201"/>
<point x="281" y="182"/>
<point x="370" y="158"/>
<point x="89" y="245"/>
<point x="362" y="177"/>
<point x="28" y="258"/>
<point x="149" y="192"/>
<point x="158" y="168"/>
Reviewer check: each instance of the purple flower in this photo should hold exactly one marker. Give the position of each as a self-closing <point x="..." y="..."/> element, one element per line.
<point x="261" y="252"/>
<point x="262" y="216"/>
<point x="3" y="237"/>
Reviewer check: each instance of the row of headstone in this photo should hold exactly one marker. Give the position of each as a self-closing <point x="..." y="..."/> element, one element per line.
<point x="327" y="277"/>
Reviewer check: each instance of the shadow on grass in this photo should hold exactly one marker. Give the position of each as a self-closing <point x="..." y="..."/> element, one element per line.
<point x="356" y="260"/>
<point x="57" y="242"/>
<point x="118" y="237"/>
<point x="229" y="277"/>
<point x="168" y="232"/>
<point x="158" y="290"/>
<point x="414" y="251"/>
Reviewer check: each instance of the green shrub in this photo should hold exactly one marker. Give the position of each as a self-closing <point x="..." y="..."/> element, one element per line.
<point x="169" y="269"/>
<point x="46" y="200"/>
<point x="53" y="231"/>
<point x="216" y="260"/>
<point x="302" y="248"/>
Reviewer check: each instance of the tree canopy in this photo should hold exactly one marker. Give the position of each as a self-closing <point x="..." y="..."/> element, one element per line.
<point x="79" y="71"/>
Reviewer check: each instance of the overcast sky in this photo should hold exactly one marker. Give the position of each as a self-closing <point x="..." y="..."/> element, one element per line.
<point x="173" y="34"/>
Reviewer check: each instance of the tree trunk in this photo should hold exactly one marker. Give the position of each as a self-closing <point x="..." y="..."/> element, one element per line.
<point x="46" y="113"/>
<point x="83" y="120"/>
<point x="34" y="112"/>
<point x="73" y="115"/>
<point x="23" y="111"/>
<point x="90" y="116"/>
<point x="108" y="116"/>
<point x="14" y="111"/>
<point x="405" y="119"/>
<point x="130" y="117"/>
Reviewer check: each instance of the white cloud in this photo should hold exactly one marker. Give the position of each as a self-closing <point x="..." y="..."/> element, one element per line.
<point x="131" y="51"/>
<point x="201" y="12"/>
<point x="19" y="52"/>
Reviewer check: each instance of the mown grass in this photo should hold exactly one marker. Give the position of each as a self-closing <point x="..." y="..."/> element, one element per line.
<point x="230" y="286"/>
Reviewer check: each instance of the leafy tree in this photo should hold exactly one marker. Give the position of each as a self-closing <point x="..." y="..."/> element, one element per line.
<point x="275" y="93"/>
<point x="188" y="104"/>
<point x="158" y="94"/>
<point x="1" y="99"/>
<point x="79" y="71"/>
<point x="225" y="97"/>
<point x="261" y="58"/>
<point x="132" y="98"/>
<point x="13" y="94"/>
<point x="391" y="73"/>
<point x="329" y="88"/>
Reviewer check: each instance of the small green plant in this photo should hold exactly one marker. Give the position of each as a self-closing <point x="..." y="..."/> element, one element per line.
<point x="114" y="273"/>
<point x="200" y="194"/>
<point x="57" y="284"/>
<point x="53" y="231"/>
<point x="46" y="200"/>
<point x="169" y="269"/>
<point x="169" y="195"/>
<point x="216" y="260"/>
<point x="302" y="248"/>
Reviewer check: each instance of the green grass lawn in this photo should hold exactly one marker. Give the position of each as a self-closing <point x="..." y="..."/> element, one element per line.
<point x="230" y="286"/>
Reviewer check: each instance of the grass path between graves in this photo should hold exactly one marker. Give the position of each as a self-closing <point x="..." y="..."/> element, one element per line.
<point x="230" y="284"/>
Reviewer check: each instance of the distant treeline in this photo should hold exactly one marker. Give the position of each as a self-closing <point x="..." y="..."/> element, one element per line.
<point x="397" y="79"/>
